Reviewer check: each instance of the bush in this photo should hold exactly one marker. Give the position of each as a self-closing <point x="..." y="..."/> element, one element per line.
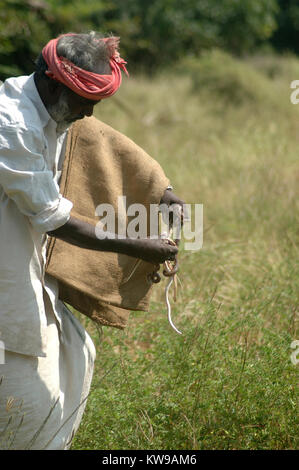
<point x="24" y="27"/>
<point x="234" y="81"/>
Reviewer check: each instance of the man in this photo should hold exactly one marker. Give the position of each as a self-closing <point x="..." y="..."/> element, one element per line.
<point x="49" y="356"/>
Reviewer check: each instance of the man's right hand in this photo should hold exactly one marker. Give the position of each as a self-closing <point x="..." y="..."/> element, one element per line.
<point x="154" y="251"/>
<point x="82" y="234"/>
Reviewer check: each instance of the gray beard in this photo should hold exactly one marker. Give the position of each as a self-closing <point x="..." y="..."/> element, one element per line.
<point x="62" y="127"/>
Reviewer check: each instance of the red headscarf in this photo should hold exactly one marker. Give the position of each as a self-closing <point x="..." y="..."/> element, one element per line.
<point x="90" y="85"/>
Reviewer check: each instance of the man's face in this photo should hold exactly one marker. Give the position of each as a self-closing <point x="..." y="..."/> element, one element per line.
<point x="69" y="108"/>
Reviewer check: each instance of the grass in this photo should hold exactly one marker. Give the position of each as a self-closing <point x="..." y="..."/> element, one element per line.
<point x="226" y="134"/>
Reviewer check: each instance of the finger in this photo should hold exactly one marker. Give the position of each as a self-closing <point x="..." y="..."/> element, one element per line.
<point x="174" y="269"/>
<point x="172" y="256"/>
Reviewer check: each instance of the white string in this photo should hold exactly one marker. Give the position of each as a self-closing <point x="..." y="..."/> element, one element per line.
<point x="169" y="306"/>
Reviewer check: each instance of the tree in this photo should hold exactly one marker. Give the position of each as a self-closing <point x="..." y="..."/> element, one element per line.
<point x="24" y="26"/>
<point x="154" y="33"/>
<point x="286" y="37"/>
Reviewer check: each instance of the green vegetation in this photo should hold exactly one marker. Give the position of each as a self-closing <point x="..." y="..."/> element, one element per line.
<point x="154" y="33"/>
<point x="226" y="134"/>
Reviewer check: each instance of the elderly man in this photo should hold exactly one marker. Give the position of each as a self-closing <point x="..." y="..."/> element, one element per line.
<point x="49" y="357"/>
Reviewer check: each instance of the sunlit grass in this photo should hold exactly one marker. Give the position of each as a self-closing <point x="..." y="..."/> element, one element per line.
<point x="227" y="382"/>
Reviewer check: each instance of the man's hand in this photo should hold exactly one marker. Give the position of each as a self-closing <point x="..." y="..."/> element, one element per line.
<point x="151" y="250"/>
<point x="82" y="234"/>
<point x="169" y="198"/>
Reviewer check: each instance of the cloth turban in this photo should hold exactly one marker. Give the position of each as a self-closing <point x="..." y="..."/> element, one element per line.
<point x="90" y="85"/>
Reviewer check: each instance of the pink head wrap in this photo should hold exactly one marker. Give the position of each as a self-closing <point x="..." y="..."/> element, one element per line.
<point x="90" y="85"/>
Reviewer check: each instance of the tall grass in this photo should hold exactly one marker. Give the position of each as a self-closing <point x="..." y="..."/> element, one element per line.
<point x="226" y="134"/>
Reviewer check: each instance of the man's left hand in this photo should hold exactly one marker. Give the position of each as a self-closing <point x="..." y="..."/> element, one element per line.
<point x="169" y="198"/>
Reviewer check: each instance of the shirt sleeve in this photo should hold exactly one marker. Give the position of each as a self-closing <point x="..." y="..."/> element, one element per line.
<point x="26" y="180"/>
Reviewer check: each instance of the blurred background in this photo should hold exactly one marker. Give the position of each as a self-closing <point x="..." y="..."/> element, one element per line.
<point x="154" y="33"/>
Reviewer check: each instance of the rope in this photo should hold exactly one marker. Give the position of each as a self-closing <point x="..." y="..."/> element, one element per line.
<point x="170" y="270"/>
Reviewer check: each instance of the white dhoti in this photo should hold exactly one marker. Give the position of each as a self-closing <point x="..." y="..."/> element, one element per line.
<point x="42" y="399"/>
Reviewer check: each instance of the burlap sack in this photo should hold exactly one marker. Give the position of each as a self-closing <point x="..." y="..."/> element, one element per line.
<point x="100" y="165"/>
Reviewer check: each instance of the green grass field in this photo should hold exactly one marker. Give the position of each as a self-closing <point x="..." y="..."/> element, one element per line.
<point x="227" y="135"/>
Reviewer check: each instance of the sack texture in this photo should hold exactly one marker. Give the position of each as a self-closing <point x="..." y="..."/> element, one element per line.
<point x="101" y="165"/>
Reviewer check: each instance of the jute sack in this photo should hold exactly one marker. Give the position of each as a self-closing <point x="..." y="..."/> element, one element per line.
<point x="102" y="165"/>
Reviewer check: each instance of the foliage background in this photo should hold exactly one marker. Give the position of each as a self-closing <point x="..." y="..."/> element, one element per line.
<point x="154" y="33"/>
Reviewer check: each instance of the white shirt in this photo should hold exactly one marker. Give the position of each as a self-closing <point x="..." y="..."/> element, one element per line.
<point x="30" y="206"/>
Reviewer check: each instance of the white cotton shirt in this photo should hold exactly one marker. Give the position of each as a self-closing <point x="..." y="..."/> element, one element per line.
<point x="31" y="155"/>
